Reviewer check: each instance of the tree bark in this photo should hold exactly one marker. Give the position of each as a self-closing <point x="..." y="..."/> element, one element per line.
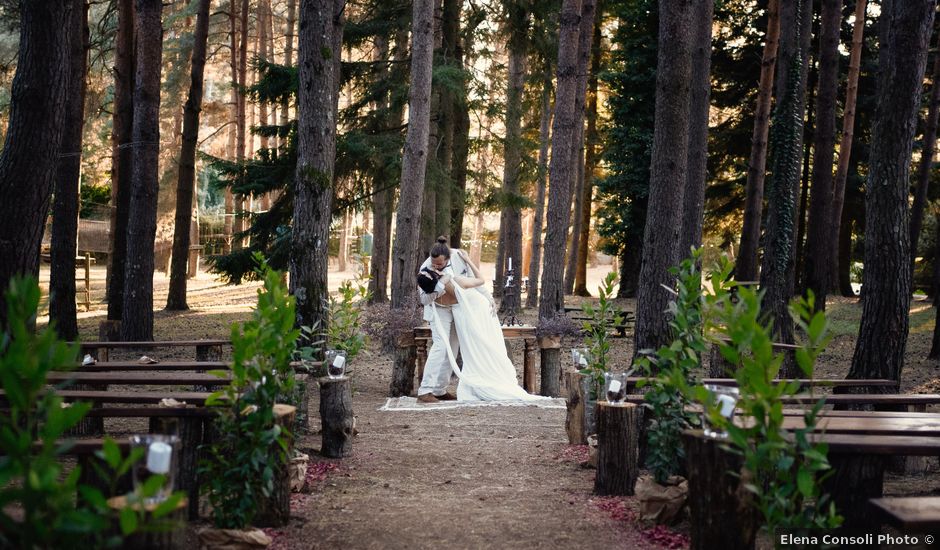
<point x="289" y="52"/>
<point x="905" y="33"/>
<point x="33" y="138"/>
<point x="185" y="189"/>
<point x="668" y="174"/>
<point x="845" y="147"/>
<point x="137" y="316"/>
<point x="414" y="157"/>
<point x="336" y="417"/>
<point x="618" y="442"/>
<point x="229" y="226"/>
<point x="461" y="144"/>
<point x="65" y="206"/>
<point x="818" y="257"/>
<point x="928" y="152"/>
<point x="745" y="268"/>
<point x="561" y="169"/>
<point x="122" y="125"/>
<point x="532" y="297"/>
<point x="777" y="269"/>
<point x="591" y="159"/>
<point x="694" y="196"/>
<point x="316" y="151"/>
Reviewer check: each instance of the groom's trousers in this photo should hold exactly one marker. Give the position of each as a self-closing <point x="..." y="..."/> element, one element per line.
<point x="437" y="370"/>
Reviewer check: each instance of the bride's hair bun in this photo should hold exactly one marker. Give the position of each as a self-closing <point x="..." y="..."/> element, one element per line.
<point x="442" y="239"/>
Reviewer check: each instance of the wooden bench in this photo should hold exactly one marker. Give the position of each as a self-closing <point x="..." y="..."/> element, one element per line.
<point x="198" y="366"/>
<point x="525" y="333"/>
<point x="126" y="397"/>
<point x="803" y="382"/>
<point x="206" y="350"/>
<point x="136" y="378"/>
<point x="918" y="514"/>
<point x="912" y="401"/>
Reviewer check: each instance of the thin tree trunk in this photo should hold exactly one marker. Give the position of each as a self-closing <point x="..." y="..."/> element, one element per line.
<point x="799" y="214"/>
<point x="668" y="174"/>
<point x="122" y="123"/>
<point x="229" y="227"/>
<point x="315" y="158"/>
<point x="241" y="130"/>
<point x="450" y="41"/>
<point x="176" y="298"/>
<point x="414" y="157"/>
<point x="777" y="269"/>
<point x="817" y="260"/>
<point x="747" y="262"/>
<point x="384" y="197"/>
<point x="574" y="241"/>
<point x="137" y="319"/>
<point x="561" y="169"/>
<point x="461" y="145"/>
<point x="432" y="183"/>
<point x="264" y="6"/>
<point x="289" y="51"/>
<point x="591" y="159"/>
<point x="512" y="157"/>
<point x="343" y="255"/>
<point x="845" y="253"/>
<point x="67" y="183"/>
<point x="905" y="34"/>
<point x="928" y="152"/>
<point x="845" y="145"/>
<point x="694" y="197"/>
<point x="532" y="297"/>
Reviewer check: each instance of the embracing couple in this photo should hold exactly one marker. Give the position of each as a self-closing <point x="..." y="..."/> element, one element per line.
<point x="463" y="319"/>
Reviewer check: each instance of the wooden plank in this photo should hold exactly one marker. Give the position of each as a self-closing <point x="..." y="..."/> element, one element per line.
<point x="155" y="344"/>
<point x="806" y="382"/>
<point x="142" y="397"/>
<point x="847" y="399"/>
<point x="509" y="332"/>
<point x="149" y="411"/>
<point x="909" y="513"/>
<point x="870" y="426"/>
<point x="865" y="414"/>
<point x="137" y="378"/>
<point x="891" y="445"/>
<point x="168" y="366"/>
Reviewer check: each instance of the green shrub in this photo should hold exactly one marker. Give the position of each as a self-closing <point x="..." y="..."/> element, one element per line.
<point x="239" y="470"/>
<point x="346" y="326"/>
<point x="597" y="331"/>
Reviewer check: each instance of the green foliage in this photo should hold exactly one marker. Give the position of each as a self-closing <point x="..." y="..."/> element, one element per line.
<point x="346" y="324"/>
<point x="597" y="330"/>
<point x="239" y="469"/>
<point x="783" y="471"/>
<point x="38" y="508"/>
<point x="671" y="371"/>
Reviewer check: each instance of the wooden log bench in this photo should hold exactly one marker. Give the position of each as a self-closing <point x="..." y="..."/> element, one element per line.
<point x="912" y="402"/>
<point x="909" y="514"/>
<point x="422" y="335"/>
<point x="206" y="350"/>
<point x="167" y="366"/>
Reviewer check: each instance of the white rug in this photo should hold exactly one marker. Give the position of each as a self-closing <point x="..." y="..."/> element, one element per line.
<point x="412" y="404"/>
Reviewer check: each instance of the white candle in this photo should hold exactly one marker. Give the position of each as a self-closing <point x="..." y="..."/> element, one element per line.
<point x="158" y="457"/>
<point x="614" y="386"/>
<point x="339" y="361"/>
<point x="510" y="263"/>
<point x="727" y="405"/>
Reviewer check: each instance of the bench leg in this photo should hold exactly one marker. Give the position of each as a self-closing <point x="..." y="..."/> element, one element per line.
<point x="90" y="425"/>
<point x="528" y="365"/>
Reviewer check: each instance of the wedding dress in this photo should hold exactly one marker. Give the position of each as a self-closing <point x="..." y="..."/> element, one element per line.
<point x="487" y="374"/>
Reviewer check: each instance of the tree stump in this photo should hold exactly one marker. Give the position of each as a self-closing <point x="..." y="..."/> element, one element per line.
<point x="169" y="532"/>
<point x="189" y="429"/>
<point x="579" y="422"/>
<point x="336" y="417"/>
<point x="550" y="372"/>
<point x="719" y="505"/>
<point x="855" y="479"/>
<point x="618" y="429"/>
<point x="275" y="510"/>
<point x="403" y="369"/>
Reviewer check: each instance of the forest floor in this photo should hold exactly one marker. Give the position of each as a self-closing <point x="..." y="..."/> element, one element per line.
<point x="478" y="477"/>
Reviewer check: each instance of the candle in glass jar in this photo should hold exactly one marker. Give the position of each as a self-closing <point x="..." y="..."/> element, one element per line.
<point x="158" y="457"/>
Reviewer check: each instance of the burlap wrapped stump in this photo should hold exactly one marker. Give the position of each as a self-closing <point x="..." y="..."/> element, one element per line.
<point x="298" y="472"/>
<point x="232" y="539"/>
<point x="661" y="503"/>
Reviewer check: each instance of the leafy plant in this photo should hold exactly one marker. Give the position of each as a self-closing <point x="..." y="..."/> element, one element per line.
<point x="38" y="508"/>
<point x="597" y="329"/>
<point x="345" y="328"/>
<point x="239" y="469"/>
<point x="670" y="371"/>
<point x="783" y="472"/>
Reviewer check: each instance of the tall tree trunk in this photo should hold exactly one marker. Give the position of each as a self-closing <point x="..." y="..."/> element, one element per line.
<point x="694" y="197"/>
<point x="316" y="150"/>
<point x="745" y="268"/>
<point x="67" y="182"/>
<point x="545" y="120"/>
<point x="799" y="214"/>
<point x="882" y="337"/>
<point x="845" y="254"/>
<point x="414" y="156"/>
<point x="512" y="146"/>
<point x="562" y="169"/>
<point x="241" y="122"/>
<point x="137" y="318"/>
<point x="384" y="192"/>
<point x="585" y="39"/>
<point x="459" y="175"/>
<point x="290" y="24"/>
<point x="176" y="298"/>
<point x="591" y="159"/>
<point x="122" y="125"/>
<point x="229" y="227"/>
<point x="264" y="6"/>
<point x="926" y="158"/>
<point x="845" y="147"/>
<point x="817" y="260"/>
<point x="450" y="46"/>
<point x="432" y="183"/>
<point x="343" y="256"/>
<point x="668" y="174"/>
<point x="777" y="269"/>
<point x="630" y="262"/>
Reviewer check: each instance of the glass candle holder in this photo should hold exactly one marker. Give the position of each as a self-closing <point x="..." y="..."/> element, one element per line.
<point x="160" y="457"/>
<point x="615" y="386"/>
<point x="724" y="400"/>
<point x="335" y="363"/>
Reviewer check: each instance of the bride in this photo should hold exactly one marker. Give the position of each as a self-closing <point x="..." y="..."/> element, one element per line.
<point x="487" y="374"/>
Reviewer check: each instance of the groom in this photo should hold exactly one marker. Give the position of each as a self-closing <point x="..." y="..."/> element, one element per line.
<point x="437" y="370"/>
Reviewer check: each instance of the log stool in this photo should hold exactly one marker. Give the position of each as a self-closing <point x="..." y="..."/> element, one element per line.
<point x="336" y="417"/>
<point x="275" y="510"/>
<point x="618" y="429"/>
<point x="167" y="535"/>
